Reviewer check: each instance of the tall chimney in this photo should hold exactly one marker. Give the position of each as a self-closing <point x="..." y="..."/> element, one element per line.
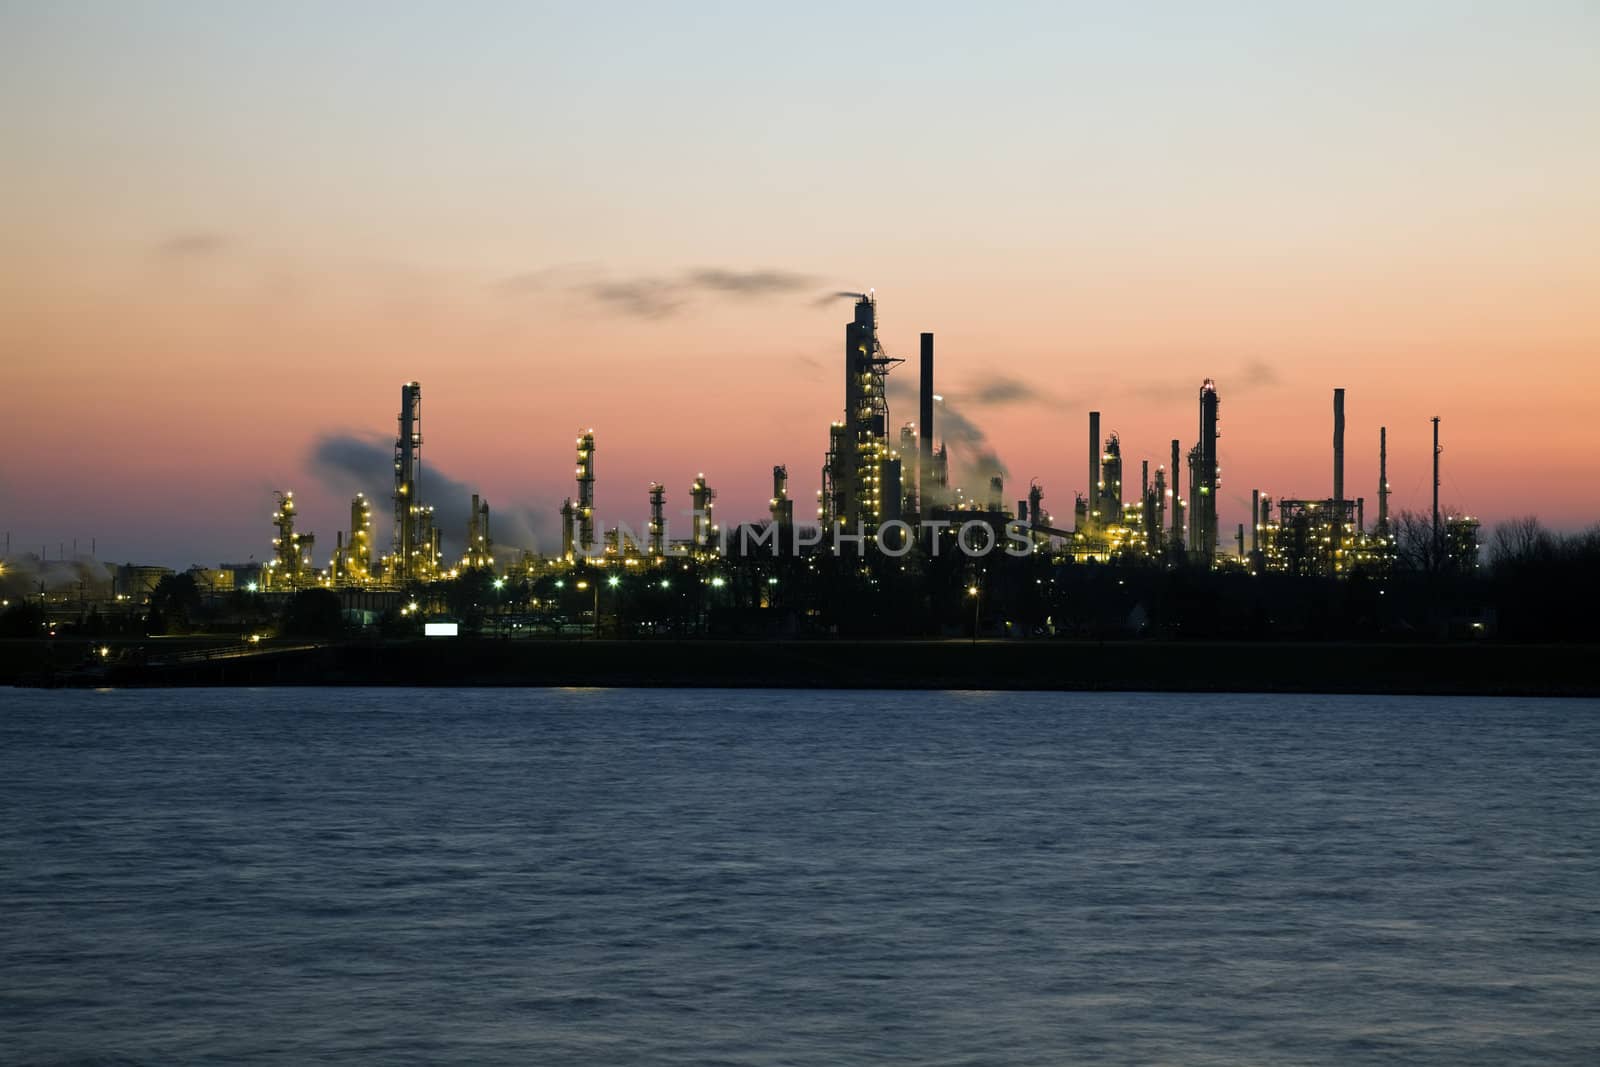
<point x="1094" y="461"/>
<point x="1209" y="480"/>
<point x="1338" y="474"/>
<point x="1383" y="481"/>
<point x="925" y="428"/>
<point x="1255" y="521"/>
<point x="1338" y="450"/>
<point x="1177" y="493"/>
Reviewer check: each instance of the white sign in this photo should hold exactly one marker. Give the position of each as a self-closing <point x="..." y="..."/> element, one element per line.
<point x="440" y="629"/>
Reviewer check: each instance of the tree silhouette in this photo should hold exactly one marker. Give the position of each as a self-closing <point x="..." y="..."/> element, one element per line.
<point x="313" y="613"/>
<point x="174" y="603"/>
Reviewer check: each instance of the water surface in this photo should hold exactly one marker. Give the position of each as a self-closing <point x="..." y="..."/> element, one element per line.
<point x="616" y="877"/>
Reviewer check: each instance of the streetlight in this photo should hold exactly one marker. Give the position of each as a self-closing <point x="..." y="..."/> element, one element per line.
<point x="972" y="591"/>
<point x="499" y="584"/>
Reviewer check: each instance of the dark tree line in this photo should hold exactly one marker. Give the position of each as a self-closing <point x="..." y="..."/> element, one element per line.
<point x="1545" y="584"/>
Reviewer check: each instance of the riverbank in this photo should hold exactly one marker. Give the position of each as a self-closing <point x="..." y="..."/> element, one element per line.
<point x="1442" y="669"/>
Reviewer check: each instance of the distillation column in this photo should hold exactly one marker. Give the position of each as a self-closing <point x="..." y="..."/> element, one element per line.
<point x="658" y="520"/>
<point x="584" y="509"/>
<point x="781" y="507"/>
<point x="701" y="497"/>
<point x="407" y="473"/>
<point x="358" y="553"/>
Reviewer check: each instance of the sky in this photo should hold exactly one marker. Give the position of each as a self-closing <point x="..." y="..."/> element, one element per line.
<point x="233" y="230"/>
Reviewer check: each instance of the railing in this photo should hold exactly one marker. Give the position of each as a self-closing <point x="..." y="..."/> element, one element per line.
<point x="239" y="651"/>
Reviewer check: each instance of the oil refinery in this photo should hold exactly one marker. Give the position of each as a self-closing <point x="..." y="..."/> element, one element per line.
<point x="891" y="492"/>
<point x="888" y="516"/>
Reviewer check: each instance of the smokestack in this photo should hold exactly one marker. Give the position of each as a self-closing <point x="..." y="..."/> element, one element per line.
<point x="1338" y="474"/>
<point x="1177" y="493"/>
<point x="1209" y="480"/>
<point x="926" y="427"/>
<point x="1255" y="521"/>
<point x="1094" y="461"/>
<point x="1383" y="481"/>
<point x="1338" y="451"/>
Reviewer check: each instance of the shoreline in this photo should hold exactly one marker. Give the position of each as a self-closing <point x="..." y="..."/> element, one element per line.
<point x="1462" y="669"/>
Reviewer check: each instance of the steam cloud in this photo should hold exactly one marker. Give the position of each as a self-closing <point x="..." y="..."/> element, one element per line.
<point x="26" y="573"/>
<point x="1000" y="390"/>
<point x="828" y="298"/>
<point x="973" y="460"/>
<point x="347" y="463"/>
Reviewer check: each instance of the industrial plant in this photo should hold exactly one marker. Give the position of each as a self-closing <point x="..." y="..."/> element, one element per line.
<point x="889" y="525"/>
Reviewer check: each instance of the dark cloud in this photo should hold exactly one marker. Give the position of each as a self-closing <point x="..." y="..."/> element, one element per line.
<point x="749" y="282"/>
<point x="346" y="463"/>
<point x="1254" y="374"/>
<point x="1258" y="373"/>
<point x="653" y="297"/>
<point x="1161" y="392"/>
<point x="563" y="275"/>
<point x="194" y="243"/>
<point x="644" y="298"/>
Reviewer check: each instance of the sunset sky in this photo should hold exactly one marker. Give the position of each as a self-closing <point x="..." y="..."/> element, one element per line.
<point x="232" y="231"/>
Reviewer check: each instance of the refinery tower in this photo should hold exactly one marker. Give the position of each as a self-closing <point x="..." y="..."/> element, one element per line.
<point x="416" y="543"/>
<point x="861" y="478"/>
